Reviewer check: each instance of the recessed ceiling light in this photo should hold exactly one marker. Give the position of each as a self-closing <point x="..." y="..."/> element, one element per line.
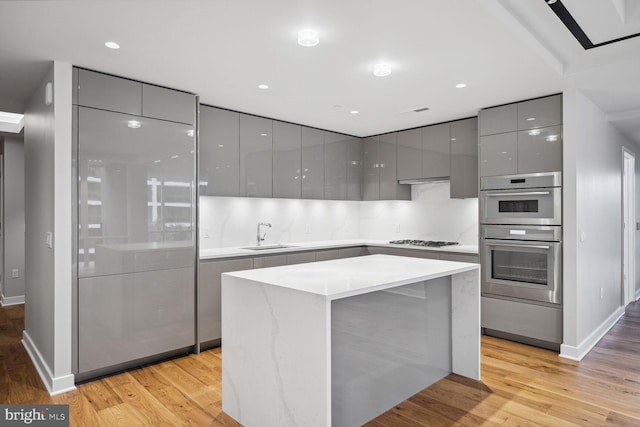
<point x="354" y="112"/>
<point x="308" y="37"/>
<point x="134" y="124"/>
<point x="381" y="69"/>
<point x="461" y="85"/>
<point x="112" y="45"/>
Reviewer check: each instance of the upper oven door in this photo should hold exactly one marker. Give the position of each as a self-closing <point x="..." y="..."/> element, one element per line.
<point x="536" y="206"/>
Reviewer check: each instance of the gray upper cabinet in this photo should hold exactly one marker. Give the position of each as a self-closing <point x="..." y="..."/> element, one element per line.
<point x="97" y="90"/>
<point x="312" y="163"/>
<point x="256" y="153"/>
<point x="409" y="154"/>
<point x="541" y="112"/>
<point x="335" y="166"/>
<point x="498" y="154"/>
<point x="167" y="104"/>
<point x="370" y="169"/>
<point x="540" y="150"/>
<point x="354" y="168"/>
<point x="287" y="140"/>
<point x="498" y="119"/>
<point x="464" y="158"/>
<point x="219" y="152"/>
<point x="435" y="151"/>
<point x="74" y="86"/>
<point x="387" y="160"/>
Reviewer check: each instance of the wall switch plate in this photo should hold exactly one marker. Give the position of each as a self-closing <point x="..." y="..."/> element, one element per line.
<point x="15" y="273"/>
<point x="49" y="240"/>
<point x="205" y="232"/>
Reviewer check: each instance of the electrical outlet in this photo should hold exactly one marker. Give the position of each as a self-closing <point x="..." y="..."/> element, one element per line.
<point x="205" y="232"/>
<point x="15" y="273"/>
<point x="307" y="228"/>
<point x="397" y="228"/>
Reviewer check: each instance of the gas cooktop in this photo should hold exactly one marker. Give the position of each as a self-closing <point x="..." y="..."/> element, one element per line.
<point x="428" y="243"/>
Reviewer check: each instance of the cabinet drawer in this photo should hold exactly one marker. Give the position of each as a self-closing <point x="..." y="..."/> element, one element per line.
<point x="107" y="92"/>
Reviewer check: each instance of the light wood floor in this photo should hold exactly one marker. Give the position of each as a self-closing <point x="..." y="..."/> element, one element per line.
<point x="521" y="385"/>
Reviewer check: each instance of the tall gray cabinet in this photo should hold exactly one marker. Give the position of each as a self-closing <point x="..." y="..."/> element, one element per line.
<point x="135" y="221"/>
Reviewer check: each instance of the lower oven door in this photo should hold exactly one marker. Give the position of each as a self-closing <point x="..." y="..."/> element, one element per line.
<point x="522" y="269"/>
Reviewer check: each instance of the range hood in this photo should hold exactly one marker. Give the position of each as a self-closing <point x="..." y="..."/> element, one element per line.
<point x="425" y="180"/>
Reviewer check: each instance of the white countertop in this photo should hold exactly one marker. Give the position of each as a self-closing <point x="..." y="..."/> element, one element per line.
<point x="346" y="277"/>
<point x="232" y="252"/>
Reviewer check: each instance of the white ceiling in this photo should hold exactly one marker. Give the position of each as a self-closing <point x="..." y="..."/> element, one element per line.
<point x="222" y="49"/>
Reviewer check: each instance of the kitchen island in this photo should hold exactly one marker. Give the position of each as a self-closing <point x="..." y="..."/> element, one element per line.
<point x="339" y="342"/>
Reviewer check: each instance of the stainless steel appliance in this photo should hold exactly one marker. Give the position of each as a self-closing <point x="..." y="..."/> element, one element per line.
<point x="521" y="199"/>
<point x="426" y="243"/>
<point x="521" y="257"/>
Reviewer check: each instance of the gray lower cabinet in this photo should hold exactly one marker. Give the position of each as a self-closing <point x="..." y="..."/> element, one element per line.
<point x="300" y="257"/>
<point x="166" y="104"/>
<point x="464" y="158"/>
<point x="540" y="150"/>
<point x="328" y="254"/>
<point x="219" y="152"/>
<point x="209" y="317"/>
<point x="312" y="163"/>
<point x="269" y="261"/>
<point x="335" y="166"/>
<point x="287" y="157"/>
<point x="498" y="154"/>
<point x="410" y="154"/>
<point x="435" y="151"/>
<point x="421" y="253"/>
<point x="134" y="316"/>
<point x="97" y="90"/>
<point x="256" y="154"/>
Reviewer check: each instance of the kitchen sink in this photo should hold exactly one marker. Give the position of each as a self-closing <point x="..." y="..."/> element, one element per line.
<point x="265" y="247"/>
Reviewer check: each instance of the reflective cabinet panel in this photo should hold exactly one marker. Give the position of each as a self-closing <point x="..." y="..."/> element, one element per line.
<point x="136" y="195"/>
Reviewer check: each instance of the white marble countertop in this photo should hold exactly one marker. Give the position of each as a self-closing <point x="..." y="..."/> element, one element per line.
<point x="346" y="277"/>
<point x="233" y="252"/>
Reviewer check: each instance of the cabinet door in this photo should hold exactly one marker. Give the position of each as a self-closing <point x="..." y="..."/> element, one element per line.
<point x="287" y="148"/>
<point x="541" y="112"/>
<point x="464" y="158"/>
<point x="111" y="93"/>
<point x="389" y="187"/>
<point x="328" y="254"/>
<point x="498" y="154"/>
<point x="498" y="119"/>
<point x="167" y="104"/>
<point x="219" y="152"/>
<point x="435" y="151"/>
<point x="370" y="169"/>
<point x="209" y="316"/>
<point x="410" y="154"/>
<point x="352" y="252"/>
<point x="540" y="150"/>
<point x="312" y="163"/>
<point x="74" y="86"/>
<point x="354" y="168"/>
<point x="256" y="156"/>
<point x="269" y="261"/>
<point x="301" y="258"/>
<point x="335" y="166"/>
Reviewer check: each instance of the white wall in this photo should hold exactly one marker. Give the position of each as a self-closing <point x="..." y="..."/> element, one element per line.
<point x="47" y="150"/>
<point x="13" y="220"/>
<point x="592" y="223"/>
<point x="231" y="221"/>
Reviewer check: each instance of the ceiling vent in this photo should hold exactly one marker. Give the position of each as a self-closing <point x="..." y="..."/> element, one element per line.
<point x="420" y="110"/>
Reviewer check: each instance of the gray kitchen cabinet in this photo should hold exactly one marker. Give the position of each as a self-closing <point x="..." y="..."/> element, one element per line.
<point x="328" y="254"/>
<point x="269" y="261"/>
<point x="167" y="104"/>
<point x="287" y="157"/>
<point x="300" y="257"/>
<point x="371" y="169"/>
<point x="540" y="150"/>
<point x="498" y="154"/>
<point x="354" y="168"/>
<point x="74" y="86"/>
<point x="409" y="154"/>
<point x="435" y="151"/>
<point x="256" y="154"/>
<point x="335" y="166"/>
<point x="209" y="316"/>
<point x="498" y="119"/>
<point x="464" y="158"/>
<point x="474" y="258"/>
<point x="97" y="90"/>
<point x="352" y="252"/>
<point x="389" y="189"/>
<point x="312" y="163"/>
<point x="219" y="152"/>
<point x="541" y="112"/>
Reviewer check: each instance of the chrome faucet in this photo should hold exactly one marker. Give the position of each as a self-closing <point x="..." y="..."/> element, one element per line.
<point x="258" y="238"/>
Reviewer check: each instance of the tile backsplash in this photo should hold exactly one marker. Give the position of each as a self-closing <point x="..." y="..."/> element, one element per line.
<point x="431" y="215"/>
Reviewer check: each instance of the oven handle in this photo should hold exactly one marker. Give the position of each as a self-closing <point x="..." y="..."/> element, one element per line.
<point x="519" y="246"/>
<point x="528" y="193"/>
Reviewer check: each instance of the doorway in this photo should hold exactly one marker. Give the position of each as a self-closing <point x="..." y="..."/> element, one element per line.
<point x="629" y="226"/>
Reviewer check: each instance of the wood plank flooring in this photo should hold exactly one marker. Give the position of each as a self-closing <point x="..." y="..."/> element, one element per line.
<point x="521" y="385"/>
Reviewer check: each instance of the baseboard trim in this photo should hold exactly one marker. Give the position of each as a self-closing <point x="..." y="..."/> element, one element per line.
<point x="54" y="385"/>
<point x="4" y="301"/>
<point x="579" y="352"/>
